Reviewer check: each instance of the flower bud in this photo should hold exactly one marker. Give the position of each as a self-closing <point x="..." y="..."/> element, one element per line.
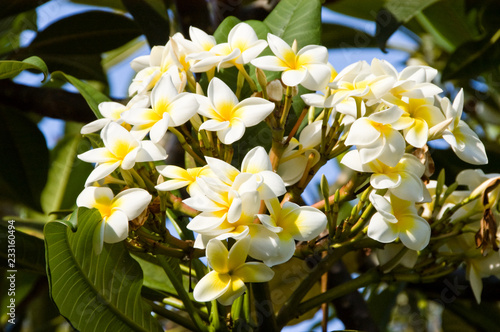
<point x="275" y="90"/>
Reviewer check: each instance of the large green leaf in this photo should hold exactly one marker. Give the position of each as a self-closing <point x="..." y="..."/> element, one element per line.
<point x="473" y="58"/>
<point x="83" y="66"/>
<point x="12" y="27"/>
<point x="154" y="25"/>
<point x="395" y="13"/>
<point x="451" y="32"/>
<point x="93" y="96"/>
<point x="15" y="7"/>
<point x="296" y="19"/>
<point x="25" y="159"/>
<point x="364" y="9"/>
<point x="339" y="36"/>
<point x="94" y="292"/>
<point x="11" y="68"/>
<point x="29" y="249"/>
<point x="86" y="33"/>
<point x="67" y="174"/>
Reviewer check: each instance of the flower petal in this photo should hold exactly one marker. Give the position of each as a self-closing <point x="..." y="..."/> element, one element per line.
<point x="254" y="272"/>
<point x="381" y="230"/>
<point x="132" y="202"/>
<point x="116" y="228"/>
<point x="211" y="286"/>
<point x="217" y="256"/>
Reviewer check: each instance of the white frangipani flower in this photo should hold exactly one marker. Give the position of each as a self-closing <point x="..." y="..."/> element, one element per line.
<point x="463" y="140"/>
<point x="168" y="109"/>
<point x="227" y="116"/>
<point x="419" y="115"/>
<point x="150" y="68"/>
<point x="180" y="177"/>
<point x="121" y="149"/>
<point x="307" y="67"/>
<point x="398" y="218"/>
<point x="377" y="137"/>
<point x="226" y="281"/>
<point x="402" y="180"/>
<point x="112" y="111"/>
<point x="291" y="222"/>
<point x="242" y="47"/>
<point x="116" y="211"/>
<point x="294" y="160"/>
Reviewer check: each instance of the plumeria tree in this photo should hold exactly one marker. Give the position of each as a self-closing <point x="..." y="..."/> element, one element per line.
<point x="222" y="238"/>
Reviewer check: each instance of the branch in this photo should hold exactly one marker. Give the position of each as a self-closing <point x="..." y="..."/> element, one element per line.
<point x="54" y="103"/>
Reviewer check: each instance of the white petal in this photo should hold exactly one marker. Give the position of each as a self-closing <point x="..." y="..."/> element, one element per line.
<point x="150" y="151"/>
<point x="362" y="132"/>
<point x="381" y="230"/>
<point x="211" y="286"/>
<point x="222" y="170"/>
<point x="352" y="160"/>
<point x="217" y="256"/>
<point x="94" y="126"/>
<point x="99" y="155"/>
<point x="269" y="62"/>
<point x="303" y="223"/>
<point x="272" y="186"/>
<point x="417" y="232"/>
<point x="294" y="77"/>
<point x="384" y="181"/>
<point x="116" y="228"/>
<point x="253" y="110"/>
<point x="254" y="272"/>
<point x="101" y="171"/>
<point x="132" y="202"/>
<point x="159" y="129"/>
<point x="286" y="249"/>
<point x="264" y="243"/>
<point x="91" y="196"/>
<point x="256" y="160"/>
<point x="232" y="133"/>
<point x="220" y="94"/>
<point x="317" y="77"/>
<point x="214" y="125"/>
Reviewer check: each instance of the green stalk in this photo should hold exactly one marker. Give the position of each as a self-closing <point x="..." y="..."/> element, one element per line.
<point x="183" y="295"/>
<point x="178" y="319"/>
<point x="264" y="307"/>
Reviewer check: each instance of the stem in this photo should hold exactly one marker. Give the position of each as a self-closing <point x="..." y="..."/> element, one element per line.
<point x="186" y="146"/>
<point x="264" y="307"/>
<point x="179" y="206"/>
<point x="343" y="289"/>
<point x="178" y="319"/>
<point x="288" y="310"/>
<point x="247" y="77"/>
<point x="296" y="126"/>
<point x="286" y="106"/>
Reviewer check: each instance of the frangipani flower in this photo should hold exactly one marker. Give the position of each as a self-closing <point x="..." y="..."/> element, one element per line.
<point x="307" y="67"/>
<point x="390" y="251"/>
<point x="463" y="141"/>
<point x="226" y="281"/>
<point x="180" y="177"/>
<point x="360" y="79"/>
<point x="294" y="160"/>
<point x="291" y="222"/>
<point x="116" y="211"/>
<point x="121" y="149"/>
<point x="227" y="116"/>
<point x="418" y="116"/>
<point x="256" y="162"/>
<point x="402" y="180"/>
<point x="377" y="137"/>
<point x="242" y="47"/>
<point x="398" y="218"/>
<point x="112" y="111"/>
<point x="168" y="109"/>
<point x="151" y="67"/>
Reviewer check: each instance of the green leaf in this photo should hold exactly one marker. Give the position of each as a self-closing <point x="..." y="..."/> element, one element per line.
<point x="473" y="58"/>
<point x="25" y="159"/>
<point x="91" y="95"/>
<point x="296" y="19"/>
<point x="339" y="36"/>
<point x="364" y="9"/>
<point x="94" y="292"/>
<point x="451" y="32"/>
<point x="83" y="66"/>
<point x="154" y="275"/>
<point x="16" y="7"/>
<point x="115" y="4"/>
<point x="156" y="27"/>
<point x="381" y="304"/>
<point x="67" y="174"/>
<point x="74" y="34"/>
<point x="12" y="27"/>
<point x="224" y="28"/>
<point x="395" y="13"/>
<point x="10" y="68"/>
<point x="29" y="249"/>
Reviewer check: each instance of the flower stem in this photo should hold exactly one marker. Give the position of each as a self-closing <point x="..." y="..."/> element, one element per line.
<point x="264" y="307"/>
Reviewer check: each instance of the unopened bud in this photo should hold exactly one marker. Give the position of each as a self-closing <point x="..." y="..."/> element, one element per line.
<point x="275" y="90"/>
<point x="261" y="77"/>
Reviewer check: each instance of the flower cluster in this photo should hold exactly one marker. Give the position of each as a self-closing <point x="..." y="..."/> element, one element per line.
<point x="370" y="115"/>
